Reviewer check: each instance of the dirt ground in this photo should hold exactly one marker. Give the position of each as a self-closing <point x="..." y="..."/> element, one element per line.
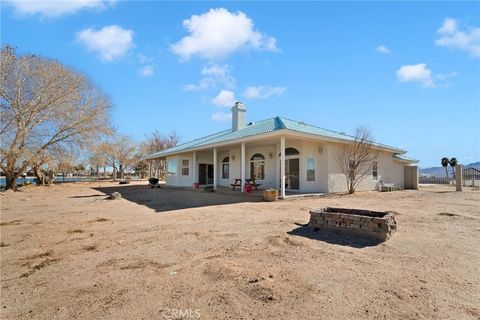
<point x="67" y="253"/>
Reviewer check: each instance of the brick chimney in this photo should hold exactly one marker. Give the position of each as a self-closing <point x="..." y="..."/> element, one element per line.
<point x="238" y="116"/>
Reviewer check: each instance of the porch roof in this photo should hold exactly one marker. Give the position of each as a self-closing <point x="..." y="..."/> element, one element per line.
<point x="404" y="158"/>
<point x="260" y="128"/>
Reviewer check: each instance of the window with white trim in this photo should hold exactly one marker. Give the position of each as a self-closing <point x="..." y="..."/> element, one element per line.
<point x="311" y="169"/>
<point x="172" y="167"/>
<point x="185" y="167"/>
<point x="375" y="170"/>
<point x="351" y="169"/>
<point x="257" y="167"/>
<point x="226" y="168"/>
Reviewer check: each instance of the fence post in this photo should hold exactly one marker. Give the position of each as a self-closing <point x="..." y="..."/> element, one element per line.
<point x="459" y="176"/>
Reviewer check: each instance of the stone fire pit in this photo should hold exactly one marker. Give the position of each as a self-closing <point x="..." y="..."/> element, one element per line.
<point x="372" y="224"/>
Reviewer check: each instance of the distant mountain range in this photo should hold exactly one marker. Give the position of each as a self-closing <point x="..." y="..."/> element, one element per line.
<point x="440" y="171"/>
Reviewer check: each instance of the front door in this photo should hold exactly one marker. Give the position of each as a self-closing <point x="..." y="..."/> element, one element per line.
<point x="292" y="174"/>
<point x="205" y="173"/>
<point x="209" y="173"/>
<point x="202" y="173"/>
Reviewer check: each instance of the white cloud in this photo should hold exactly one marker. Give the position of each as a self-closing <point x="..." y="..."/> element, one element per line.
<point x="56" y="8"/>
<point x="263" y="92"/>
<point x="452" y="37"/>
<point x="221" y="116"/>
<point x="225" y="98"/>
<point x="110" y="42"/>
<point x="146" y="71"/>
<point x="218" y="33"/>
<point x="416" y="73"/>
<point x="203" y="84"/>
<point x="214" y="74"/>
<point x="382" y="49"/>
<point x="445" y="76"/>
<point x="144" y="59"/>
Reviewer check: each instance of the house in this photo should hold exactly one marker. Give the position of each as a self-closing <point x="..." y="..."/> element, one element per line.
<point x="304" y="155"/>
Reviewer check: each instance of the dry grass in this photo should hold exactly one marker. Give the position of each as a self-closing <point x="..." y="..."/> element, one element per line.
<point x="232" y="258"/>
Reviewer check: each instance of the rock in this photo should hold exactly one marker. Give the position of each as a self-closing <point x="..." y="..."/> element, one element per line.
<point x="115" y="196"/>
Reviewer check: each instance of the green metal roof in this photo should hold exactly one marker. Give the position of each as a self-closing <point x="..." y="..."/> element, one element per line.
<point x="259" y="128"/>
<point x="404" y="158"/>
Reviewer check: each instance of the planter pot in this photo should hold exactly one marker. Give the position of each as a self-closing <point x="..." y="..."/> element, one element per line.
<point x="270" y="195"/>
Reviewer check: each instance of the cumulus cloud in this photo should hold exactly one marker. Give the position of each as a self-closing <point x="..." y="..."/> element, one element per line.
<point x="110" y="42"/>
<point x="452" y="37"/>
<point x="263" y="92"/>
<point x="382" y="49"/>
<point x="221" y="116"/>
<point x="213" y="75"/>
<point x="218" y="33"/>
<point x="56" y="8"/>
<point x="146" y="71"/>
<point x="225" y="98"/>
<point x="416" y="73"/>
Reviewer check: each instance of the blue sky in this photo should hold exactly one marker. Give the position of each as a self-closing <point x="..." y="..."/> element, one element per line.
<point x="409" y="71"/>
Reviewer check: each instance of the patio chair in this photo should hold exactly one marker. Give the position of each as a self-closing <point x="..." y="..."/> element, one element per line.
<point x="385" y="187"/>
<point x="154" y="183"/>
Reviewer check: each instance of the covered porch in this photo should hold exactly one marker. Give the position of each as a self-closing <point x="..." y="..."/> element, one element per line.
<point x="292" y="165"/>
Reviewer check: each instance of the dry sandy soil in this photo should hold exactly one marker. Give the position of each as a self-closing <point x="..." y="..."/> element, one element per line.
<point x="67" y="253"/>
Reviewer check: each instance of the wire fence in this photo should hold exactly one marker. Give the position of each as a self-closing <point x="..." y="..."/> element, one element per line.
<point x="470" y="178"/>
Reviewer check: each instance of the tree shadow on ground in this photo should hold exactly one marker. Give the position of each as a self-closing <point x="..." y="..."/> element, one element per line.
<point x="169" y="199"/>
<point x="334" y="237"/>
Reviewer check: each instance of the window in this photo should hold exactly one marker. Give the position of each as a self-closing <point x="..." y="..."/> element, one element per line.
<point x="310" y="169"/>
<point x="291" y="152"/>
<point x="257" y="167"/>
<point x="375" y="170"/>
<point x="172" y="167"/>
<point x="351" y="169"/>
<point x="226" y="168"/>
<point x="185" y="167"/>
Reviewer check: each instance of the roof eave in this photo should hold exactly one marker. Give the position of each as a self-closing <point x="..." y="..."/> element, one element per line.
<point x="264" y="135"/>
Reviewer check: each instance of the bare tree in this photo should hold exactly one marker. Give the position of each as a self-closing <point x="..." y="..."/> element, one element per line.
<point x="356" y="159"/>
<point x="125" y="153"/>
<point x="65" y="160"/>
<point x="156" y="142"/>
<point x="43" y="104"/>
<point x="101" y="156"/>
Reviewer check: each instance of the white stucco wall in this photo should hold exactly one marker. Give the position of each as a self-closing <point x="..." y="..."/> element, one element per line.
<point x="389" y="171"/>
<point x="328" y="176"/>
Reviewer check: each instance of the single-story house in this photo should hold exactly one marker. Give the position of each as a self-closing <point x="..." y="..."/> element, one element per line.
<point x="273" y="151"/>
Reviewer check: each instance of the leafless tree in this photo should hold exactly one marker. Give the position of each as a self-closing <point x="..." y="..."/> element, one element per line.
<point x="356" y="159"/>
<point x="125" y="153"/>
<point x="44" y="104"/>
<point x="156" y="142"/>
<point x="65" y="160"/>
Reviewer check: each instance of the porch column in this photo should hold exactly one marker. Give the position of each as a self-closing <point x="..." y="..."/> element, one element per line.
<point x="194" y="167"/>
<point x="214" y="168"/>
<point x="282" y="167"/>
<point x="149" y="169"/>
<point x="242" y="166"/>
